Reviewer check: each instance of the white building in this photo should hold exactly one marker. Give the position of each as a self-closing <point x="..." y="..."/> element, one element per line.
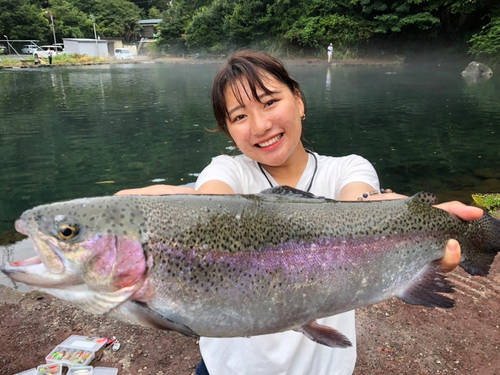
<point x="90" y="47"/>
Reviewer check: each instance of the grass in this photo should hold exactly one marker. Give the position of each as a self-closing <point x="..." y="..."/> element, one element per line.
<point x="489" y="202"/>
<point x="60" y="59"/>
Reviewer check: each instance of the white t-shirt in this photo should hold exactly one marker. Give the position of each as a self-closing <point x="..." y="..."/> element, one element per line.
<point x="285" y="353"/>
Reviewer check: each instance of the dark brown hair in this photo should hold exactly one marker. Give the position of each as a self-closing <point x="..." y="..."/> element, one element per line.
<point x="251" y="66"/>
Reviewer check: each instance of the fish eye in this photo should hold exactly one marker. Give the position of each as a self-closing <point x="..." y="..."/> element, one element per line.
<point x="67" y="231"/>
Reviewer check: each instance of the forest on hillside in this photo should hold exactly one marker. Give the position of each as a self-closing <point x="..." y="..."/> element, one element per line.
<point x="283" y="27"/>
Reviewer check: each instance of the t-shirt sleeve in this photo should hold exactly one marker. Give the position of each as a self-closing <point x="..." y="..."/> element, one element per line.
<point x="222" y="168"/>
<point x="355" y="168"/>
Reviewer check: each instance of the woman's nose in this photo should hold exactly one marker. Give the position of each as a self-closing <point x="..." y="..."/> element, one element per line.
<point x="260" y="124"/>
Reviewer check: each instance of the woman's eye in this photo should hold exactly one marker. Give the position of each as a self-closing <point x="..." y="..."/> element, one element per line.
<point x="238" y="118"/>
<point x="270" y="102"/>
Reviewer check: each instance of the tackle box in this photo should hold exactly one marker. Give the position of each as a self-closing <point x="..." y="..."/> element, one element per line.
<point x="49" y="368"/>
<point x="105" y="371"/>
<point x="84" y="370"/>
<point x="76" y="351"/>
<point x="31" y="371"/>
<point x="89" y="370"/>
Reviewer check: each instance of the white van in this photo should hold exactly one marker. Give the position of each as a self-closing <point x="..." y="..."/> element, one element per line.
<point x="44" y="51"/>
<point x="29" y="48"/>
<point x="123" y="54"/>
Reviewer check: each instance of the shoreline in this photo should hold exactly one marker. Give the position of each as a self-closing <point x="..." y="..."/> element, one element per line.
<point x="180" y="60"/>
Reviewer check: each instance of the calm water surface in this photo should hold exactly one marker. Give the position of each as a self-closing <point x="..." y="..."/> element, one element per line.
<point x="76" y="132"/>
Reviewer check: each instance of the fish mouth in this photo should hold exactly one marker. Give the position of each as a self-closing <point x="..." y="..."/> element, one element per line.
<point x="46" y="270"/>
<point x="49" y="254"/>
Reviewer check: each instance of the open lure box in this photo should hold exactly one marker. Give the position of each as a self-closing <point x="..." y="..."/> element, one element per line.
<point x="76" y="351"/>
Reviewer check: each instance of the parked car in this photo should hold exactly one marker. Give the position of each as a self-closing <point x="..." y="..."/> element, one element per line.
<point x="29" y="48"/>
<point x="43" y="51"/>
<point x="123" y="54"/>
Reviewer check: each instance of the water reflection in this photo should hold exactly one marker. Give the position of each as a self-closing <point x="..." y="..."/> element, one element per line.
<point x="474" y="79"/>
<point x="328" y="78"/>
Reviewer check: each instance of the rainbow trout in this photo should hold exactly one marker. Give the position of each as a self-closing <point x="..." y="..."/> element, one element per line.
<point x="245" y="265"/>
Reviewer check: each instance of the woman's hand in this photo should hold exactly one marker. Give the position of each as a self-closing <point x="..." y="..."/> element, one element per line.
<point x="452" y="255"/>
<point x="158" y="190"/>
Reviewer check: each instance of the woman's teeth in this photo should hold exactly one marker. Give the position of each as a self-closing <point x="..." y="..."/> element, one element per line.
<point x="271" y="141"/>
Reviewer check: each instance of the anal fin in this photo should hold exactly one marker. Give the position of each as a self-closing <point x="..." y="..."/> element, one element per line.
<point x="424" y="290"/>
<point x="324" y="335"/>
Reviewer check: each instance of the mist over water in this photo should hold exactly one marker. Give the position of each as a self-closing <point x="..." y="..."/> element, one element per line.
<point x="88" y="131"/>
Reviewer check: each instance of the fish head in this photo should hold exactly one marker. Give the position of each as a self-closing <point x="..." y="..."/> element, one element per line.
<point x="89" y="251"/>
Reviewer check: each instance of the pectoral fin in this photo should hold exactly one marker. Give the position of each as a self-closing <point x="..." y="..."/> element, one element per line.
<point x="324" y="335"/>
<point x="136" y="313"/>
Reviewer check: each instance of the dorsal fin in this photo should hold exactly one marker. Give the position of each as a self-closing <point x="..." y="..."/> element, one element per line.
<point x="287" y="191"/>
<point x="425" y="197"/>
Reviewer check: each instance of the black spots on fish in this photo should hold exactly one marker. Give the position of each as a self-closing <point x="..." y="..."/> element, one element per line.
<point x="426" y="198"/>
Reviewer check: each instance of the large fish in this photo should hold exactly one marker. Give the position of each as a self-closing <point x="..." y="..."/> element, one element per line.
<point x="227" y="266"/>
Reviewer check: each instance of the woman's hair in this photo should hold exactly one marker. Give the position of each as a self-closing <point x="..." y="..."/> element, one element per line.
<point x="251" y="66"/>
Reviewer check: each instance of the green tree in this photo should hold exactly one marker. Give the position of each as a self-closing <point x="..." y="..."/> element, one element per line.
<point x="249" y="22"/>
<point x="410" y="16"/>
<point x="153" y="13"/>
<point x="85" y="6"/>
<point x="117" y="18"/>
<point x="487" y="41"/>
<point x="69" y="21"/>
<point x="147" y="5"/>
<point x="175" y="20"/>
<point x="344" y="31"/>
<point x="19" y="19"/>
<point x="208" y="28"/>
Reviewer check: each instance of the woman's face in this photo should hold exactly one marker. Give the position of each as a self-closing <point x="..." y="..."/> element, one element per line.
<point x="268" y="131"/>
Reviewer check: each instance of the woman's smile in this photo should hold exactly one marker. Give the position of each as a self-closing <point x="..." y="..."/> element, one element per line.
<point x="270" y="142"/>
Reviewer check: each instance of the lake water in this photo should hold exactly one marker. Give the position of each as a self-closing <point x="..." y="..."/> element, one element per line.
<point x="88" y="131"/>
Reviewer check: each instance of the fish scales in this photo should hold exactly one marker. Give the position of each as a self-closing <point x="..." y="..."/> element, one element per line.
<point x="226" y="266"/>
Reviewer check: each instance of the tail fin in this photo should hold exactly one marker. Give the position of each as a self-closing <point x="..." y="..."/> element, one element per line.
<point x="479" y="253"/>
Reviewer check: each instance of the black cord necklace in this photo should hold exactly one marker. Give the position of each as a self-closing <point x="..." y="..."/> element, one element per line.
<point x="312" y="179"/>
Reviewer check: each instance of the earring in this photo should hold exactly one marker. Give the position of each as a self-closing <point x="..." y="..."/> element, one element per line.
<point x="303" y="117"/>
